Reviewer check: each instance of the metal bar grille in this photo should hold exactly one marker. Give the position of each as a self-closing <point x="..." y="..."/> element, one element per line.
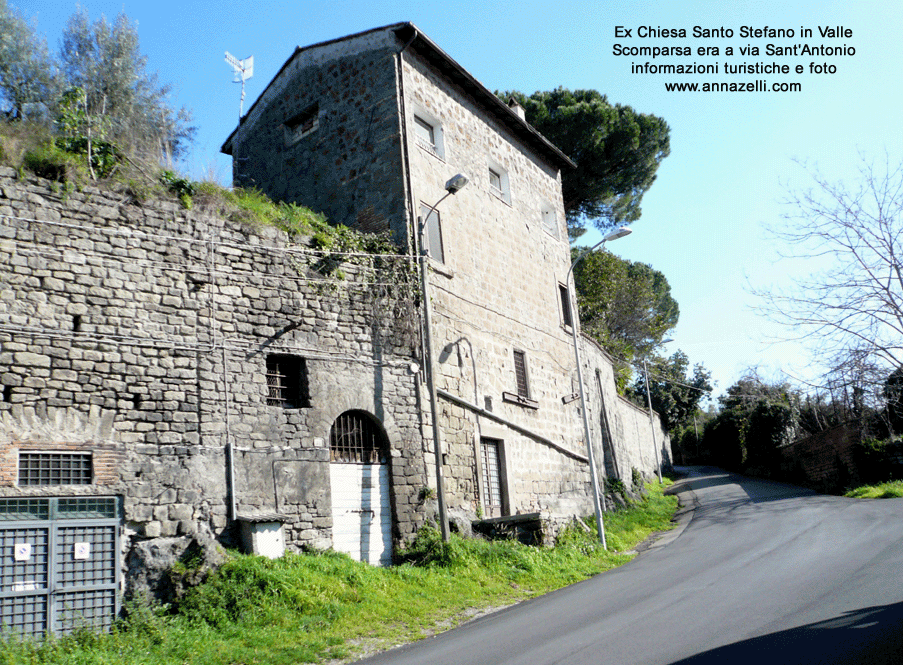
<point x="520" y="373"/>
<point x="24" y="509"/>
<point x="59" y="564"/>
<point x="356" y="439"/>
<point x="87" y="508"/>
<point x="55" y="468"/>
<point x="287" y="382"/>
<point x="492" y="482"/>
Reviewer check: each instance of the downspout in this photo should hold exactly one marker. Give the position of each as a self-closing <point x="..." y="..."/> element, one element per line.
<point x="230" y="448"/>
<point x="413" y="237"/>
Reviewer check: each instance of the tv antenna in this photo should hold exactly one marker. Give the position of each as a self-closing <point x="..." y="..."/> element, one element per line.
<point x="243" y="70"/>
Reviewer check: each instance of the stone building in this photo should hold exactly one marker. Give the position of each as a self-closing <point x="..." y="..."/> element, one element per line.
<point x="169" y="375"/>
<point x="369" y="129"/>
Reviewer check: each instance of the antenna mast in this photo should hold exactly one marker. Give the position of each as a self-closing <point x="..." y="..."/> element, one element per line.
<point x="243" y="70"/>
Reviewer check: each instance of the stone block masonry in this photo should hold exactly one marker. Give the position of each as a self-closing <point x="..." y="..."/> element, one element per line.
<point x="139" y="337"/>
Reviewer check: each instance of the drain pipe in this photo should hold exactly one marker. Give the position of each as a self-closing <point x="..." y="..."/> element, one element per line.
<point x="230" y="448"/>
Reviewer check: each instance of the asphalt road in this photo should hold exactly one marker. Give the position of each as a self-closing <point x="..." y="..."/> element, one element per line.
<point x="762" y="573"/>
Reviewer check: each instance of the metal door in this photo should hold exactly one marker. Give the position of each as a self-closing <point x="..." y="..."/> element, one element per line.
<point x="59" y="564"/>
<point x="362" y="512"/>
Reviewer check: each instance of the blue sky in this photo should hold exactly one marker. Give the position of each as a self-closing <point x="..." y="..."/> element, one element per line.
<point x="732" y="154"/>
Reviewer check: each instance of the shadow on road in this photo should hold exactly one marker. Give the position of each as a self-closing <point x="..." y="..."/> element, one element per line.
<point x="872" y="635"/>
<point x="742" y="493"/>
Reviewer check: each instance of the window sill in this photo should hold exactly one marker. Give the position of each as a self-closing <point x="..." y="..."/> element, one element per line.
<point x="429" y="149"/>
<point x="440" y="268"/>
<point x="501" y="196"/>
<point x="513" y="398"/>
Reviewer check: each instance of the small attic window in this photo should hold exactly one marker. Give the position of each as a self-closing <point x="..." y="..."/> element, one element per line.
<point x="299" y="126"/>
<point x="498" y="182"/>
<point x="428" y="133"/>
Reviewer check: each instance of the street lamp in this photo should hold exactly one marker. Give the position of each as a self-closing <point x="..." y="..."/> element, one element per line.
<point x="575" y="320"/>
<point x="453" y="186"/>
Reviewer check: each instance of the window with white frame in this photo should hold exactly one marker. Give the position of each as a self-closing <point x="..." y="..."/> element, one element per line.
<point x="432" y="232"/>
<point x="498" y="182"/>
<point x="428" y="134"/>
<point x="302" y="124"/>
<point x="549" y="220"/>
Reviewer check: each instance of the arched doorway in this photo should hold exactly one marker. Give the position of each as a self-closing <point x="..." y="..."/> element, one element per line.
<point x="359" y="478"/>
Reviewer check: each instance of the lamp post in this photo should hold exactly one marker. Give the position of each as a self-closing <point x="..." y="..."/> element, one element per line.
<point x="575" y="320"/>
<point x="453" y="186"/>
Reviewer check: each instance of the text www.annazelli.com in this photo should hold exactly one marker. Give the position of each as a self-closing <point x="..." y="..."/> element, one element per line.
<point x="759" y="85"/>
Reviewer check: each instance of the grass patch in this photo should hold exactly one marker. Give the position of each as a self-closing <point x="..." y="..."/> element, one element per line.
<point x="889" y="490"/>
<point x="306" y="608"/>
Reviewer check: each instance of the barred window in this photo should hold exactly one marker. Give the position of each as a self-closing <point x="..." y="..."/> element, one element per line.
<point x="357" y="438"/>
<point x="492" y="476"/>
<point x="55" y="468"/>
<point x="287" y="384"/>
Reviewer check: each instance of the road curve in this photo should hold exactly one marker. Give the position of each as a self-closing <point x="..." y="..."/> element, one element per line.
<point x="764" y="573"/>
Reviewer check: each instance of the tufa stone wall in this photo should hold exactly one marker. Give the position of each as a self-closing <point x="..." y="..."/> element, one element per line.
<point x="346" y="166"/>
<point x="824" y="460"/>
<point x="140" y="334"/>
<point x="620" y="429"/>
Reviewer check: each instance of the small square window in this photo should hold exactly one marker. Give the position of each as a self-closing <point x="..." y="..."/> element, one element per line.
<point x="428" y="135"/>
<point x="432" y="232"/>
<point x="299" y="126"/>
<point x="287" y="384"/>
<point x="424" y="132"/>
<point x="55" y="468"/>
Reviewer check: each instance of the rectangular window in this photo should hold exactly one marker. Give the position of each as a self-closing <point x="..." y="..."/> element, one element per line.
<point x="425" y="133"/>
<point x="498" y="182"/>
<point x="55" y="468"/>
<point x="432" y="233"/>
<point x="490" y="456"/>
<point x="520" y="374"/>
<point x="299" y="126"/>
<point x="428" y="134"/>
<point x="565" y="295"/>
<point x="549" y="220"/>
<point x="287" y="384"/>
<point x="495" y="180"/>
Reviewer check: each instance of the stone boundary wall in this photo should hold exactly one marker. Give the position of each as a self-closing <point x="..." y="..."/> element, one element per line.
<point x="621" y="428"/>
<point x="823" y="460"/>
<point x="139" y="333"/>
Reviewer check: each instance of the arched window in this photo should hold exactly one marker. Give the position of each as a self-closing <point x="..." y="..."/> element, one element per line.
<point x="357" y="438"/>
